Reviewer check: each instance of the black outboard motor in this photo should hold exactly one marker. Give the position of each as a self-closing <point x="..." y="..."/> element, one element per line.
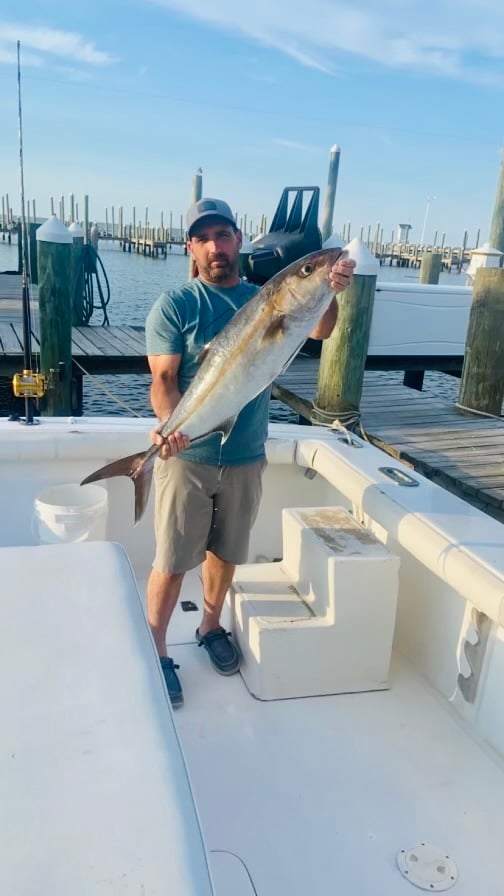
<point x="292" y="234"/>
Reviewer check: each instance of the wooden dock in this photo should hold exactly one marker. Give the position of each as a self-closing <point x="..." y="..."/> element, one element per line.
<point x="151" y="242"/>
<point x="94" y="348"/>
<point x="462" y="452"/>
<point x="410" y="255"/>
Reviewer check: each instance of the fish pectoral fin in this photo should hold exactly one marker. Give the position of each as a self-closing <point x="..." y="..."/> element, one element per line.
<point x="276" y="329"/>
<point x="224" y="429"/>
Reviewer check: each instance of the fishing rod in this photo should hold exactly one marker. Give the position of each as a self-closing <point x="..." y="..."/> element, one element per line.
<point x="27" y="385"/>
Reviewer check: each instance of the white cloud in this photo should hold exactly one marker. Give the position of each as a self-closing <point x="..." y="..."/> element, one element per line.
<point x="9" y="56"/>
<point x="48" y="43"/>
<point x="293" y="144"/>
<point x="463" y="41"/>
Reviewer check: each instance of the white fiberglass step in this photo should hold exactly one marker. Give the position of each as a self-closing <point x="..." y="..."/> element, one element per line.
<point x="321" y="621"/>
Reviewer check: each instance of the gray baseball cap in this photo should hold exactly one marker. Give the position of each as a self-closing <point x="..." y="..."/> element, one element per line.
<point x="205" y="208"/>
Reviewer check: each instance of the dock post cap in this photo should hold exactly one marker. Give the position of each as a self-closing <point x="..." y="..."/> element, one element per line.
<point x="53" y="231"/>
<point x="487" y="249"/>
<point x="335" y="148"/>
<point x="333" y="242"/>
<point x="76" y="230"/>
<point x="366" y="262"/>
<point x="486" y="256"/>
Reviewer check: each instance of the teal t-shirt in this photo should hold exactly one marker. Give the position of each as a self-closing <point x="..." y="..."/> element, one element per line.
<point x="182" y="322"/>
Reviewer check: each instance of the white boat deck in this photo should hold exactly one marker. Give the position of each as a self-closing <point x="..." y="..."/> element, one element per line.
<point x="300" y="797"/>
<point x="358" y="776"/>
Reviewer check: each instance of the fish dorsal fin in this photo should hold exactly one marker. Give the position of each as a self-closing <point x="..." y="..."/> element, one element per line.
<point x="275" y="329"/>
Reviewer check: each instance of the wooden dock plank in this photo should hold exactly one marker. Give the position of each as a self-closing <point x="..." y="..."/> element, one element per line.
<point x="105" y="343"/>
<point x="133" y="339"/>
<point x="82" y="344"/>
<point x="9" y="343"/>
<point x="461" y="451"/>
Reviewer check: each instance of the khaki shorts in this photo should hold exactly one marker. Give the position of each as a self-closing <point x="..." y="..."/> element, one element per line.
<point x="202" y="508"/>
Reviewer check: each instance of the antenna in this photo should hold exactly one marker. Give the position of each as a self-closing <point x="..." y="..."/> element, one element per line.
<point x="26" y="385"/>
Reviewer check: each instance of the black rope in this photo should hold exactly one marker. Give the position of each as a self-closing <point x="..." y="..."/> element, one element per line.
<point x="88" y="284"/>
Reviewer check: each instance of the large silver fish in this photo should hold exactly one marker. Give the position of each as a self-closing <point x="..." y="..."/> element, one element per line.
<point x="257" y="344"/>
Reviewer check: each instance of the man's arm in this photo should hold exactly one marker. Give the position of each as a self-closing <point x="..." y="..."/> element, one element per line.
<point x="340" y="276"/>
<point x="165" y="396"/>
<point x="326" y="323"/>
<point x="164" y="390"/>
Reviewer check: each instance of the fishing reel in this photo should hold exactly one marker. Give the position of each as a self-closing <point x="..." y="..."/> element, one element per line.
<point x="29" y="384"/>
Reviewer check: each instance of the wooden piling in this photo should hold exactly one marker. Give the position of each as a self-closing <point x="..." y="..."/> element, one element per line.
<point x="497" y="226"/>
<point x="55" y="313"/>
<point x="332" y="180"/>
<point x="77" y="275"/>
<point x="376" y="239"/>
<point x="343" y="355"/>
<point x="32" y="250"/>
<point x="86" y="219"/>
<point x="197" y="193"/>
<point x="482" y="383"/>
<point x="430" y="267"/>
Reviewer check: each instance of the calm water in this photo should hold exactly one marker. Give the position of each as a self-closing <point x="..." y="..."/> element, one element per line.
<point x="136" y="282"/>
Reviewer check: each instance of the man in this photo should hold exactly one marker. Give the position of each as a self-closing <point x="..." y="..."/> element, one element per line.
<point x="208" y="496"/>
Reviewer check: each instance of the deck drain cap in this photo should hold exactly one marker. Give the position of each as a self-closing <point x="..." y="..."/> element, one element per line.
<point x="427" y="867"/>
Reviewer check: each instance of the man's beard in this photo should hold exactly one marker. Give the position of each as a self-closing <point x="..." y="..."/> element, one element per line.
<point x="226" y="269"/>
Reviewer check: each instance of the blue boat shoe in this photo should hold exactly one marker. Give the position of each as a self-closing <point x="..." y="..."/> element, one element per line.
<point x="224" y="656"/>
<point x="172" y="681"/>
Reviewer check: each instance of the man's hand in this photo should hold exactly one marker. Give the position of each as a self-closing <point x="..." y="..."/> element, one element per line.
<point x="341" y="273"/>
<point x="170" y="445"/>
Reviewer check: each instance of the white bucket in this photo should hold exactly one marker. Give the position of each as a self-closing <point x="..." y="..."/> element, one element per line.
<point x="66" y="513"/>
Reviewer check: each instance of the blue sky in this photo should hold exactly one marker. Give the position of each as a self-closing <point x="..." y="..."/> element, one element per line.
<point x="125" y="100"/>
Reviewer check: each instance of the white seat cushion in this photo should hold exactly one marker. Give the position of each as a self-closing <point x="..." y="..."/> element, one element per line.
<point x="94" y="785"/>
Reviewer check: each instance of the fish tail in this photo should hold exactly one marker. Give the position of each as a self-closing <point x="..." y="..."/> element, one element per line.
<point x="138" y="468"/>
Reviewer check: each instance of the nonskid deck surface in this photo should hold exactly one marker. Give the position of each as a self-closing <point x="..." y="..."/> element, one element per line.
<point x="184" y="623"/>
<point x="319" y="795"/>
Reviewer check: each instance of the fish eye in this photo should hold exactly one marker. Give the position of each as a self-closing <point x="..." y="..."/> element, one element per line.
<point x="306" y="269"/>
